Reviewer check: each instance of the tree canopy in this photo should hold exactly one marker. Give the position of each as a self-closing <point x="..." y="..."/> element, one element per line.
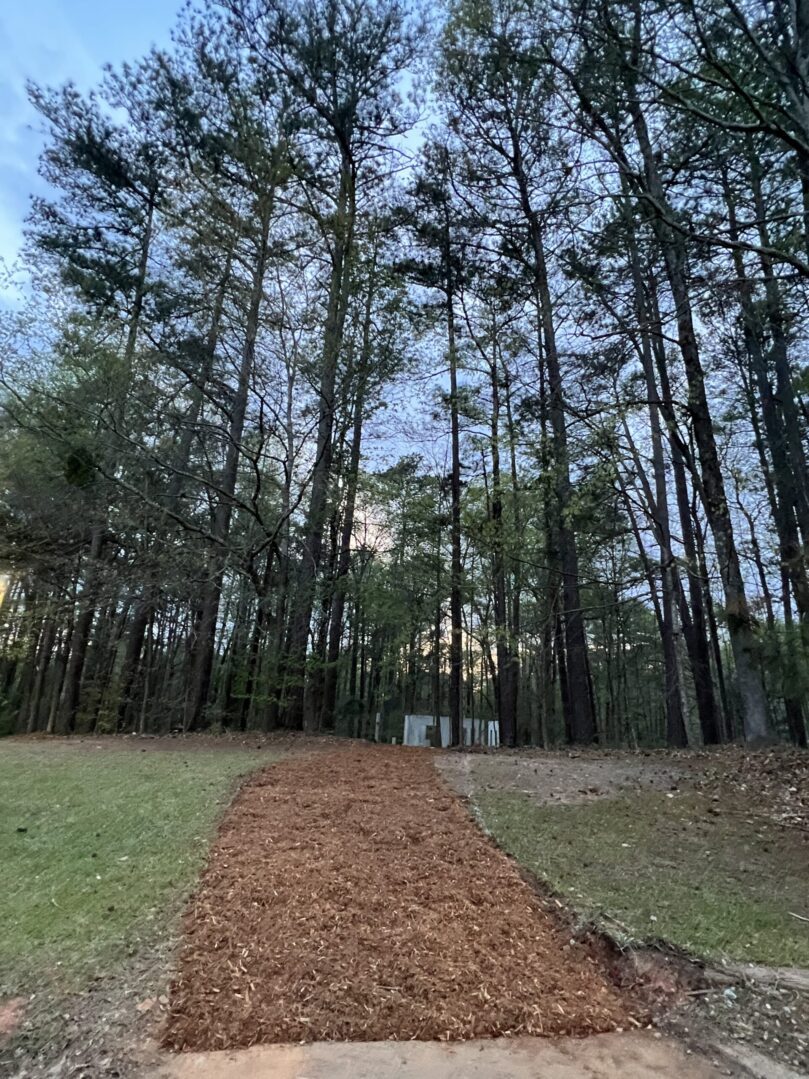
<point x="374" y="364"/>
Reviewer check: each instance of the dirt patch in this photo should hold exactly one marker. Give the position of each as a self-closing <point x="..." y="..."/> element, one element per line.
<point x="353" y="897"/>
<point x="12" y="1011"/>
<point x="776" y="781"/>
<point x="772" y="1020"/>
<point x="637" y="1055"/>
<point x="99" y="1033"/>
<point x="560" y="778"/>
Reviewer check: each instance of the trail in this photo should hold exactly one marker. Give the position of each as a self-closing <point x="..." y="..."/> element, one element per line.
<point x="350" y="897"/>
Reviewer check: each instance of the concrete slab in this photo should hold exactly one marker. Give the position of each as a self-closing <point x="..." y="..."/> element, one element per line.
<point x="606" y="1056"/>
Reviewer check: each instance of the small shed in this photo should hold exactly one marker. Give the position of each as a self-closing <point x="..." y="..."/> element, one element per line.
<point x="417" y="730"/>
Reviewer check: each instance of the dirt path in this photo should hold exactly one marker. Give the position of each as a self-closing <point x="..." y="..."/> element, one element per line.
<point x="604" y="1056"/>
<point x="350" y="897"/>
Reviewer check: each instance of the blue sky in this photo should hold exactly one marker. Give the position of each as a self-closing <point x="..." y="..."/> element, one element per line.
<point x="51" y="41"/>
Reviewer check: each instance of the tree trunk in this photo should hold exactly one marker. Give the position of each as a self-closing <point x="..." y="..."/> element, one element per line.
<point x="506" y="689"/>
<point x="336" y="627"/>
<point x="693" y="620"/>
<point x="676" y="735"/>
<point x="581" y="719"/>
<point x="456" y="568"/>
<point x="301" y="615"/>
<point x="741" y="625"/>
<point x="71" y="686"/>
<point x="202" y="653"/>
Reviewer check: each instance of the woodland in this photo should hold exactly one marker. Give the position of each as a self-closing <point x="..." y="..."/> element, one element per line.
<point x="372" y="360"/>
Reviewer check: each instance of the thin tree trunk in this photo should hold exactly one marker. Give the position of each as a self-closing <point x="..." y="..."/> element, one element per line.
<point x="693" y="620"/>
<point x="336" y="627"/>
<point x="741" y="625"/>
<point x="505" y="696"/>
<point x="456" y="569"/>
<point x="301" y="616"/>
<point x="675" y="721"/>
<point x="80" y="636"/>
<point x="581" y="719"/>
<point x="46" y="642"/>
<point x="202" y="654"/>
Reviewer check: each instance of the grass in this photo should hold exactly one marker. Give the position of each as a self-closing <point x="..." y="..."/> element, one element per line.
<point x="98" y="848"/>
<point x="713" y="881"/>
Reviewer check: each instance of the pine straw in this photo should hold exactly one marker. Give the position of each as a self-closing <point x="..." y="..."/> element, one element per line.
<point x="350" y="896"/>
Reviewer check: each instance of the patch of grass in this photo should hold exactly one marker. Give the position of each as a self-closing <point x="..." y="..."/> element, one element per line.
<point x="712" y="880"/>
<point x="98" y="848"/>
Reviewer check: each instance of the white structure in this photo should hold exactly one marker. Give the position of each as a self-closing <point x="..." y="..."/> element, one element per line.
<point x="416" y="731"/>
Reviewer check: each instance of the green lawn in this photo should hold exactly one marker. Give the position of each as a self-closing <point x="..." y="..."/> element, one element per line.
<point x="711" y="880"/>
<point x="98" y="848"/>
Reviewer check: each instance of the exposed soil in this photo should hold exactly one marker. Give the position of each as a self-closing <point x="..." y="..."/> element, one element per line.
<point x="12" y="1010"/>
<point x="775" y="781"/>
<point x="558" y="777"/>
<point x="103" y="1032"/>
<point x="749" y="1019"/>
<point x="635" y="1055"/>
<point x="353" y="897"/>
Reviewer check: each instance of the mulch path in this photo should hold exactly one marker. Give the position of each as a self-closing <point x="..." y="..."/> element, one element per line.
<point x="349" y="895"/>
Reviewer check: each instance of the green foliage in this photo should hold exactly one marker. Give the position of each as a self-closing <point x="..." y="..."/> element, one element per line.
<point x="236" y="264"/>
<point x="80" y="467"/>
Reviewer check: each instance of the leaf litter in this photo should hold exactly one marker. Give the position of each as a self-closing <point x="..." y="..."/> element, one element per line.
<point x="350" y="896"/>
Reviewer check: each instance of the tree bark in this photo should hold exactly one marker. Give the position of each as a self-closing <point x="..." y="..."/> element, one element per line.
<point x="301" y="615"/>
<point x="741" y="624"/>
<point x="202" y="652"/>
<point x="506" y="695"/>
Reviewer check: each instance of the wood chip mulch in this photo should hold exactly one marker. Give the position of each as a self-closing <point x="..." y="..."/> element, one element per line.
<point x="350" y="896"/>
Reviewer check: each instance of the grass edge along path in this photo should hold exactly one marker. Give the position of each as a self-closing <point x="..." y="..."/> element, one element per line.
<point x="713" y="882"/>
<point x="355" y="899"/>
<point x="100" y="847"/>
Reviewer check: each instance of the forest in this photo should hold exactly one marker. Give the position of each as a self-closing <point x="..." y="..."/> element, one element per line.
<point x="371" y="360"/>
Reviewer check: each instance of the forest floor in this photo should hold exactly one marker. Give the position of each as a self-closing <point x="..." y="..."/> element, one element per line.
<point x="703" y="854"/>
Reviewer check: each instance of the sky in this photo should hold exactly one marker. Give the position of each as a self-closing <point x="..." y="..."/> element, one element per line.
<point x="50" y="42"/>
